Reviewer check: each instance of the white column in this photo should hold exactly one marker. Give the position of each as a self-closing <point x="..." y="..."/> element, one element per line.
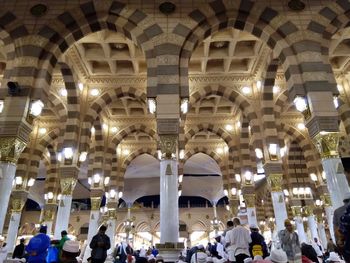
<point x="329" y="214"/>
<point x="299" y="225"/>
<point x="311" y="222"/>
<point x="111" y="225"/>
<point x="7" y="175"/>
<point x="93" y="228"/>
<point x="169" y="211"/>
<point x="214" y="209"/>
<point x="251" y="213"/>
<point x="322" y="234"/>
<point x="13" y="231"/>
<point x="279" y="208"/>
<point x="337" y="183"/>
<point x="49" y="227"/>
<point x="63" y="214"/>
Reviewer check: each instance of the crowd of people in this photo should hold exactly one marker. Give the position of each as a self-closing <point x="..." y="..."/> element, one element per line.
<point x="237" y="244"/>
<point x="242" y="245"/>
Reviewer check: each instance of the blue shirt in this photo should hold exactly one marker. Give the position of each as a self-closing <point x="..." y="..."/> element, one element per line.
<point x="38" y="245"/>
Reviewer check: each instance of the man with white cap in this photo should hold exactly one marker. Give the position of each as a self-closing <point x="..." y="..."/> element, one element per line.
<point x="278" y="256"/>
<point x="70" y="252"/>
<point x="339" y="238"/>
<point x="199" y="256"/>
<point x="258" y="246"/>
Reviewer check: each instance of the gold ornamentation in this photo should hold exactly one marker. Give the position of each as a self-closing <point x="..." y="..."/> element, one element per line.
<point x="49" y="215"/>
<point x="68" y="185"/>
<point x="327" y="144"/>
<point x="17" y="205"/>
<point x="168" y="145"/>
<point x="296" y="211"/>
<point x="326" y="199"/>
<point x="10" y="149"/>
<point x="112" y="213"/>
<point x="249" y="200"/>
<point x="308" y="210"/>
<point x="168" y="170"/>
<point x="275" y="182"/>
<point x="95" y="203"/>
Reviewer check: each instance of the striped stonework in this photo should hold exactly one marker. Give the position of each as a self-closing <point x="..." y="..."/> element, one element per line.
<point x="71" y="133"/>
<point x="52" y="183"/>
<point x="56" y="36"/>
<point x="98" y="162"/>
<point x="344" y="113"/>
<point x="28" y="162"/>
<point x="99" y="104"/>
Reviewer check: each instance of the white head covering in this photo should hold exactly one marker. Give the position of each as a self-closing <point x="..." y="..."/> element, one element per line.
<point x="248" y="260"/>
<point x="334" y="257"/>
<point x="258" y="257"/>
<point x="143" y="253"/>
<point x="278" y="256"/>
<point x="200" y="247"/>
<point x="71" y="246"/>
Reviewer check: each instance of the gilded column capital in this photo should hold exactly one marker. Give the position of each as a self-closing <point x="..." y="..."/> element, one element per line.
<point x="326" y="199"/>
<point x="10" y="149"/>
<point x="327" y="144"/>
<point x="308" y="210"/>
<point x="95" y="203"/>
<point x="296" y="211"/>
<point x="68" y="185"/>
<point x="17" y="204"/>
<point x="49" y="215"/>
<point x="275" y="182"/>
<point x="168" y="145"/>
<point x="249" y="200"/>
<point x="112" y="213"/>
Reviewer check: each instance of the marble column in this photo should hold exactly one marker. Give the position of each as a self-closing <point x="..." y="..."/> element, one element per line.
<point x="278" y="202"/>
<point x="311" y="222"/>
<point x="111" y="227"/>
<point x="10" y="149"/>
<point x="63" y="215"/>
<point x="93" y="224"/>
<point x="322" y="234"/>
<point x="18" y="203"/>
<point x="169" y="212"/>
<point x="251" y="211"/>
<point x="329" y="215"/>
<point x="337" y="184"/>
<point x="7" y="175"/>
<point x="299" y="224"/>
<point x="49" y="215"/>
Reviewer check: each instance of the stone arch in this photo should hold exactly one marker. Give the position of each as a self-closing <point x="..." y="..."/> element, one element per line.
<point x="210" y="153"/>
<point x="211" y="128"/>
<point x="143" y="226"/>
<point x="131" y="129"/>
<point x="28" y="163"/>
<point x="344" y="113"/>
<point x="97" y="106"/>
<point x="227" y="93"/>
<point x="72" y="130"/>
<point x="52" y="182"/>
<point x="254" y="17"/>
<point x="89" y="17"/>
<point x="311" y="155"/>
<point x="11" y="29"/>
<point x="150" y="151"/>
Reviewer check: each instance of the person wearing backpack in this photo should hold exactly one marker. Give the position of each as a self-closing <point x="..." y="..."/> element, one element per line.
<point x="258" y="246"/>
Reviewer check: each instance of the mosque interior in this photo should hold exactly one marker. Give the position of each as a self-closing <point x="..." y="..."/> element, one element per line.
<point x="165" y="119"/>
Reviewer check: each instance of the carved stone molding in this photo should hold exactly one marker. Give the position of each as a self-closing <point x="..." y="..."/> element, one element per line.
<point x="168" y="145"/>
<point x="95" y="203"/>
<point x="296" y="211"/>
<point x="10" y="149"/>
<point x="68" y="185"/>
<point x="249" y="200"/>
<point x="327" y="144"/>
<point x="275" y="182"/>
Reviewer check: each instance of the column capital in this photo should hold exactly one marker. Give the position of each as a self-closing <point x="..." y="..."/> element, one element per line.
<point x="296" y="211"/>
<point x="249" y="200"/>
<point x="49" y="213"/>
<point x="68" y="185"/>
<point x="326" y="199"/>
<point x="168" y="145"/>
<point x="275" y="182"/>
<point x="327" y="144"/>
<point x="11" y="148"/>
<point x="112" y="213"/>
<point x="18" y="201"/>
<point x="95" y="203"/>
<point x="308" y="210"/>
